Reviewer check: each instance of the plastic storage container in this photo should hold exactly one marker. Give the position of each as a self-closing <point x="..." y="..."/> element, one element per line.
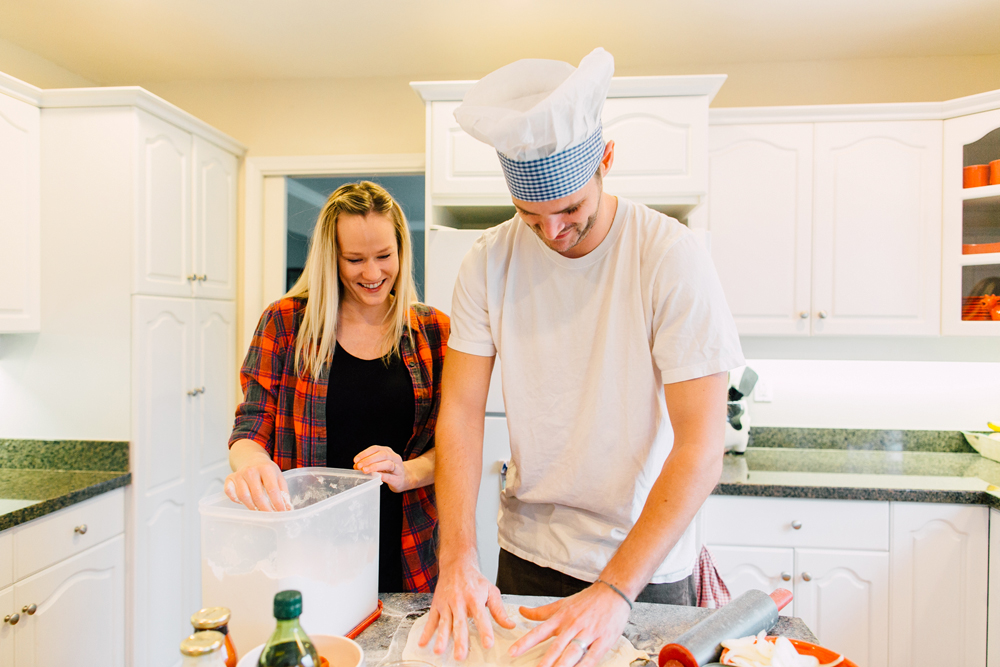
<point x="327" y="548"/>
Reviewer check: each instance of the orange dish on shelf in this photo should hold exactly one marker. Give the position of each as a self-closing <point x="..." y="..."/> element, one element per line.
<point x="979" y="248"/>
<point x="824" y="655"/>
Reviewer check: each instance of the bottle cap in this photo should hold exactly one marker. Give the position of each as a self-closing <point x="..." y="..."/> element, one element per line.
<point x="202" y="643"/>
<point x="287" y="605"/>
<point x="210" y="618"/>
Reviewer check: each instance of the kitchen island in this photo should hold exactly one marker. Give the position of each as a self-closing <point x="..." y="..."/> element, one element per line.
<point x="650" y="625"/>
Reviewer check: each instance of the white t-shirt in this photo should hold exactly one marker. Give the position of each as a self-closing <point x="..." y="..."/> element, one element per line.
<point x="585" y="347"/>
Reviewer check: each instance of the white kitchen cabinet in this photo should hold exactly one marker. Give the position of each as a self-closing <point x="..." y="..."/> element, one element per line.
<point x="843" y="597"/>
<point x="993" y="594"/>
<point x="213" y="247"/>
<point x="160" y="186"/>
<point x="186" y="214"/>
<point x="971" y="218"/>
<point x="79" y="616"/>
<point x="877" y="228"/>
<point x="759" y="211"/>
<point x="20" y="227"/>
<point x="756" y="568"/>
<point x="831" y="554"/>
<point x="7" y="612"/>
<point x="828" y="228"/>
<point x="939" y="584"/>
<point x="184" y="374"/>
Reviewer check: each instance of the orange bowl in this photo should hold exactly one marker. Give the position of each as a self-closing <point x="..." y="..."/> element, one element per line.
<point x="824" y="655"/>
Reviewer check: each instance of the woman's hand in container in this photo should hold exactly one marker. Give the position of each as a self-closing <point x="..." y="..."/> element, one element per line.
<point x="387" y="463"/>
<point x="257" y="481"/>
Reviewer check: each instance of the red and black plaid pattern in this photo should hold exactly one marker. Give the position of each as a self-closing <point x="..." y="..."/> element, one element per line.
<point x="286" y="415"/>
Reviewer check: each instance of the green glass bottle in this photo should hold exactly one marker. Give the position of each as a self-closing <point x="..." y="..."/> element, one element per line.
<point x="289" y="646"/>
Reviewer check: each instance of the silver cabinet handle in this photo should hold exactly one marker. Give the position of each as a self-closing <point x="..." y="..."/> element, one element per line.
<point x="30" y="609"/>
<point x="12" y="618"/>
<point x="804" y="315"/>
<point x="196" y="391"/>
<point x="822" y="314"/>
<point x="81" y="529"/>
<point x="201" y="390"/>
<point x="786" y="576"/>
<point x="193" y="277"/>
<point x="796" y="525"/>
<point x="203" y="277"/>
<point x="806" y="576"/>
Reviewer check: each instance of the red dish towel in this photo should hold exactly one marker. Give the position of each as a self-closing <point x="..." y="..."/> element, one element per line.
<point x="712" y="591"/>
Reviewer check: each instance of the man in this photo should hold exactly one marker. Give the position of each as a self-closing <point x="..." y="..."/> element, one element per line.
<point x="615" y="340"/>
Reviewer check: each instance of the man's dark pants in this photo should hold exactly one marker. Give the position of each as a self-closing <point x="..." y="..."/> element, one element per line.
<point x="516" y="576"/>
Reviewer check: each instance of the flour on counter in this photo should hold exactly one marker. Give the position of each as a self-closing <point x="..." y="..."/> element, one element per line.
<point x="621" y="654"/>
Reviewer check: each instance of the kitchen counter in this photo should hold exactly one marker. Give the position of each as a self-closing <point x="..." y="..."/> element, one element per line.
<point x="38" y="477"/>
<point x="650" y="625"/>
<point x="910" y="467"/>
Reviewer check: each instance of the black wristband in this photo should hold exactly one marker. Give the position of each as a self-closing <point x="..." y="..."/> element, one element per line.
<point x="616" y="590"/>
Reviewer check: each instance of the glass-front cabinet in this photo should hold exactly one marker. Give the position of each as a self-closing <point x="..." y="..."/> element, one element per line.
<point x="971" y="250"/>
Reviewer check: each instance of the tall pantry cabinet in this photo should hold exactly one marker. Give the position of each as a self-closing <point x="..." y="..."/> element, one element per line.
<point x="160" y="186"/>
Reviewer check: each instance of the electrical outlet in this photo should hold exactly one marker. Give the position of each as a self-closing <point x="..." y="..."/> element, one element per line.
<point x="762" y="391"/>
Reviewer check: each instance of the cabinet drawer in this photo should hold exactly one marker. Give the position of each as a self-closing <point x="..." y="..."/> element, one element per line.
<point x="53" y="538"/>
<point x="770" y="522"/>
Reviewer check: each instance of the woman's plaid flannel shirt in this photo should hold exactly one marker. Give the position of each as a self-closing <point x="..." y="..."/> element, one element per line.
<point x="286" y="415"/>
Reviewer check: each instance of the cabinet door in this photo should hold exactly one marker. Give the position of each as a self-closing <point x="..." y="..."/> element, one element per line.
<point x="843" y="597"/>
<point x="496" y="451"/>
<point x="163" y="405"/>
<point x="877" y="228"/>
<point x="759" y="211"/>
<point x="214" y="228"/>
<point x="7" y="609"/>
<point x="80" y="611"/>
<point x="939" y="584"/>
<point x="461" y="165"/>
<point x="993" y="595"/>
<point x="163" y="209"/>
<point x="212" y="421"/>
<point x="755" y="568"/>
<point x="659" y="146"/>
<point x="20" y="231"/>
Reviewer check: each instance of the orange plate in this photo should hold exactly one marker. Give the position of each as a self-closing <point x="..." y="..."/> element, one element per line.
<point x="824" y="655"/>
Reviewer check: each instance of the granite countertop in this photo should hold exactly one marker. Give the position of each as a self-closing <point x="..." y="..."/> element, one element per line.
<point x="41" y="476"/>
<point x="650" y="625"/>
<point x="910" y="466"/>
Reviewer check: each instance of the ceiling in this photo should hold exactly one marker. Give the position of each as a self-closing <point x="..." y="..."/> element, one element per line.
<point x="126" y="42"/>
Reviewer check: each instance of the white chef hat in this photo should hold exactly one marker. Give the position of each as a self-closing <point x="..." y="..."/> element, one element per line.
<point x="544" y="119"/>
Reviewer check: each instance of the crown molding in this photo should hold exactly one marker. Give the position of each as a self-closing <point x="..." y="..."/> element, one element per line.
<point x="133" y="96"/>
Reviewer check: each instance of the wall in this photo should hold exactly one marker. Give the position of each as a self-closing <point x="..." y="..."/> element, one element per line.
<point x="72" y="380"/>
<point x="383" y="115"/>
<point x="37" y="71"/>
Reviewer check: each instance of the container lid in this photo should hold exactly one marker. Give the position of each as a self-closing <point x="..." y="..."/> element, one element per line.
<point x="310" y="489"/>
<point x="287" y="605"/>
<point x="210" y="618"/>
<point x="202" y="643"/>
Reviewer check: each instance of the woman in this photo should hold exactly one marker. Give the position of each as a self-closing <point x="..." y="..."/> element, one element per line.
<point x="344" y="371"/>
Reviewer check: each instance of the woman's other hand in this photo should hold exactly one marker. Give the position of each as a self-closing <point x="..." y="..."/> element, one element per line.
<point x="257" y="481"/>
<point x="387" y="463"/>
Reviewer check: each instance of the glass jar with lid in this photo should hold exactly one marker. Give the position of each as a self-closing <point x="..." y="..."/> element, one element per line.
<point x="217" y="619"/>
<point x="204" y="649"/>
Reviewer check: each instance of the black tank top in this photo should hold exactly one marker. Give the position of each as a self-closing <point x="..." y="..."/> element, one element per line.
<point x="369" y="403"/>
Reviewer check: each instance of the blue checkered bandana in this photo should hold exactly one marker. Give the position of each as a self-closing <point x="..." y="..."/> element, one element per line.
<point x="557" y="175"/>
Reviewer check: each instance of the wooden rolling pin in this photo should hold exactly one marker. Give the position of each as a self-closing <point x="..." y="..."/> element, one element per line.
<point x="746" y="615"/>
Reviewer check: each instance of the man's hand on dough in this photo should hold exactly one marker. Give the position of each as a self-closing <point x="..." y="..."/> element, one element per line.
<point x="583" y="627"/>
<point x="463" y="592"/>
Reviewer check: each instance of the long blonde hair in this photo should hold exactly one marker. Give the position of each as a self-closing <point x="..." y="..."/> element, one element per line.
<point x="320" y="284"/>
